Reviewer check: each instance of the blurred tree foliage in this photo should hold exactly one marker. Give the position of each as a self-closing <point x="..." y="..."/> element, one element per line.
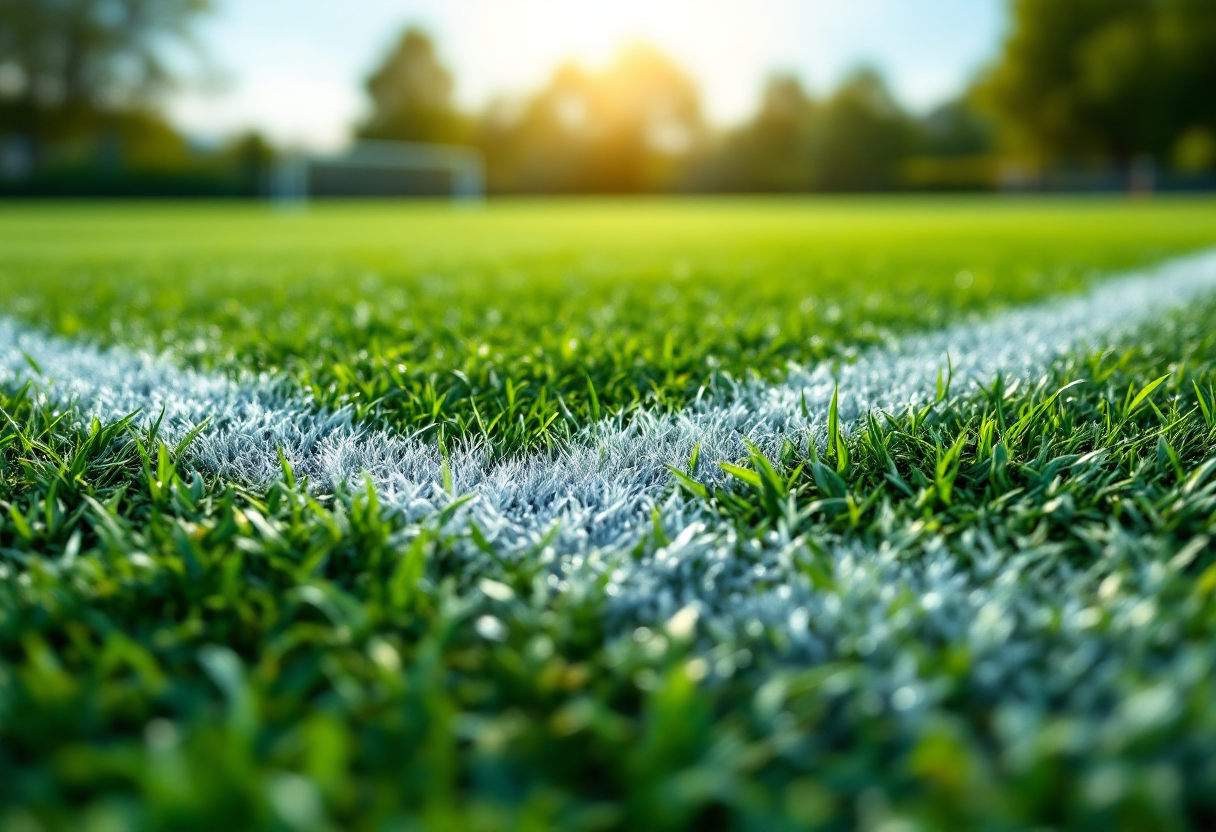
<point x="863" y="136"/>
<point x="956" y="129"/>
<point x="855" y="140"/>
<point x="89" y="53"/>
<point x="411" y="95"/>
<point x="79" y="81"/>
<point x="1102" y="80"/>
<point x="629" y="128"/>
<point x="1115" y="78"/>
<point x="1079" y="80"/>
<point x="775" y="150"/>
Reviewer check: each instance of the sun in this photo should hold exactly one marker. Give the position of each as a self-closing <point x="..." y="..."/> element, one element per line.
<point x="723" y="43"/>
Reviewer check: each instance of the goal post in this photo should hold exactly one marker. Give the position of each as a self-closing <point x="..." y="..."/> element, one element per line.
<point x="380" y="169"/>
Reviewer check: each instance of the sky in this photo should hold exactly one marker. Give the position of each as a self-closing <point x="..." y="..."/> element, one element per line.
<point x="294" y="68"/>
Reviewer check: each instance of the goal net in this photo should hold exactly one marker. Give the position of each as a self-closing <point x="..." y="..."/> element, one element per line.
<point x="381" y="169"/>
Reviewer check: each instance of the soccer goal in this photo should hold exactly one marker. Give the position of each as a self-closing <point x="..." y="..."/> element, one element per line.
<point x="381" y="169"/>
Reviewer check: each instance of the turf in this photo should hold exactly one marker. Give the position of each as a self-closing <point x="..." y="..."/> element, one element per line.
<point x="521" y="322"/>
<point x="993" y="611"/>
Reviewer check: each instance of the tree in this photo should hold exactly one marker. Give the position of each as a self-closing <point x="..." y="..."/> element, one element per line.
<point x="411" y="95"/>
<point x="1113" y="78"/>
<point x="628" y="128"/>
<point x="775" y="150"/>
<point x="98" y="54"/>
<point x="544" y="144"/>
<point x="862" y="137"/>
<point x="856" y="140"/>
<point x="646" y="117"/>
<point x="956" y="129"/>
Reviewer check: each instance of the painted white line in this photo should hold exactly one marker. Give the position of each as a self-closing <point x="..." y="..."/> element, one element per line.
<point x="603" y="488"/>
<point x="600" y="491"/>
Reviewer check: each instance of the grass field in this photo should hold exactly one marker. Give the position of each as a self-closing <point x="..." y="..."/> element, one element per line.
<point x="623" y="557"/>
<point x="400" y="308"/>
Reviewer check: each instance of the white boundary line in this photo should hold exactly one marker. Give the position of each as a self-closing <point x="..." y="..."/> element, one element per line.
<point x="748" y="596"/>
<point x="1029" y="635"/>
<point x="600" y="490"/>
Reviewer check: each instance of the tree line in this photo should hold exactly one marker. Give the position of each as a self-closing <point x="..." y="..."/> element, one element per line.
<point x="637" y="125"/>
<point x="80" y="85"/>
<point x="1108" y="84"/>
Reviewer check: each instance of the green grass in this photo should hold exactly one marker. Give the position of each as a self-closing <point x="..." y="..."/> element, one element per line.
<point x="179" y="653"/>
<point x="523" y="321"/>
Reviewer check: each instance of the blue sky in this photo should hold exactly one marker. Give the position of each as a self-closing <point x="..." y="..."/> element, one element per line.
<point x="294" y="68"/>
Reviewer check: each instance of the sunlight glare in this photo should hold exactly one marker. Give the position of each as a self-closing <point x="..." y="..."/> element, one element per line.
<point x="537" y="34"/>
